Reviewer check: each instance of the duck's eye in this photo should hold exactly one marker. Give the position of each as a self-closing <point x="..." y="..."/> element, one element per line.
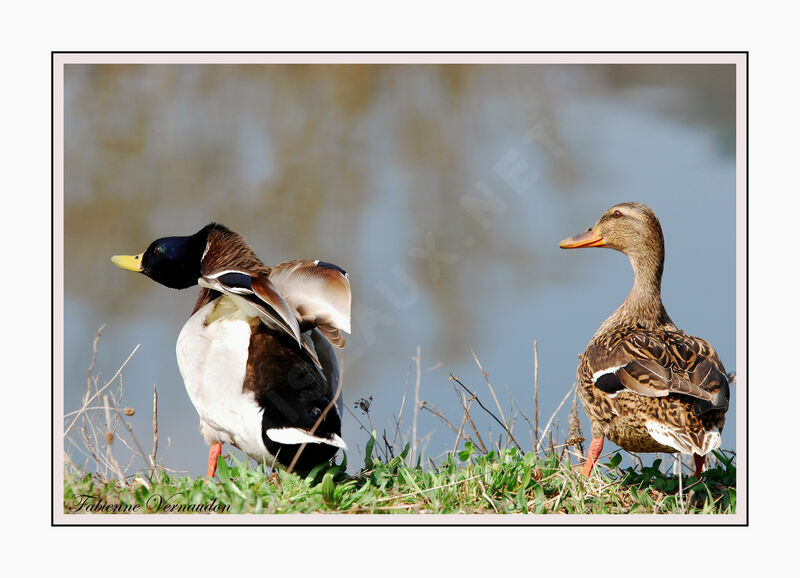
<point x="616" y="214"/>
<point x="314" y="412"/>
<point x="159" y="250"/>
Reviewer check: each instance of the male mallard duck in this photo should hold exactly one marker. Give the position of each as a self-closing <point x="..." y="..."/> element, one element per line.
<point x="256" y="355"/>
<point x="645" y="384"/>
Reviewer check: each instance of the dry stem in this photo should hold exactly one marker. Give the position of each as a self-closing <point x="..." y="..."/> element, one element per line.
<point x="550" y="421"/>
<point x="414" y="440"/>
<point x="502" y="424"/>
<point x="536" y="393"/>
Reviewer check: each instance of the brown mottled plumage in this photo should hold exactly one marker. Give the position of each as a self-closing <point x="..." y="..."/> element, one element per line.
<point x="645" y="384"/>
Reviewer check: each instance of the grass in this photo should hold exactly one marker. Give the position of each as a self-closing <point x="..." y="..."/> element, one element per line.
<point x="505" y="482"/>
<point x="479" y="479"/>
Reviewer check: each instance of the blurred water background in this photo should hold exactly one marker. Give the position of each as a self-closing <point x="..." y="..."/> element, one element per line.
<point x="444" y="191"/>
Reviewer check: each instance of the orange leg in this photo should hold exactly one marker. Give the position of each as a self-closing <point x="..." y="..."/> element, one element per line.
<point x="698" y="464"/>
<point x="213" y="454"/>
<point x="594" y="452"/>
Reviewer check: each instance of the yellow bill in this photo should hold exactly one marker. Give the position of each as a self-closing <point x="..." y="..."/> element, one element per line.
<point x="129" y="262"/>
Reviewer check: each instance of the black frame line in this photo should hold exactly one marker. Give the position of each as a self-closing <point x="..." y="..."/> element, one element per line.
<point x="392" y="521"/>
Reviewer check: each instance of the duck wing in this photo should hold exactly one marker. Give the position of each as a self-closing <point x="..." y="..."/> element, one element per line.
<point x="658" y="364"/>
<point x="319" y="293"/>
<point x="254" y="292"/>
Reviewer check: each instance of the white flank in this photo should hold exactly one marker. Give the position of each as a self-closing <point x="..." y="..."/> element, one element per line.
<point x="213" y="360"/>
<point x="675" y="438"/>
<point x="713" y="440"/>
<point x="293" y="435"/>
<point x="666" y="435"/>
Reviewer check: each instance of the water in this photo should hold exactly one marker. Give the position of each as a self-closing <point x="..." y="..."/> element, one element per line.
<point x="443" y="190"/>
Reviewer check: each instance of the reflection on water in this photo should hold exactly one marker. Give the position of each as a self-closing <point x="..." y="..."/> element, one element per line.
<point x="444" y="190"/>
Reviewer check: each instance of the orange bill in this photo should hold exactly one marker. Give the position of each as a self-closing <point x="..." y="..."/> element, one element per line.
<point x="586" y="239"/>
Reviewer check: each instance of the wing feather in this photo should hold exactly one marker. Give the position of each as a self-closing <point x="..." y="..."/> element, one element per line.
<point x="255" y="291"/>
<point x="320" y="294"/>
<point x="658" y="364"/>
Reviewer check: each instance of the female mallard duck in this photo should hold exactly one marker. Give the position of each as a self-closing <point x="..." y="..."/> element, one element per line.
<point x="645" y="384"/>
<point x="256" y="355"/>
